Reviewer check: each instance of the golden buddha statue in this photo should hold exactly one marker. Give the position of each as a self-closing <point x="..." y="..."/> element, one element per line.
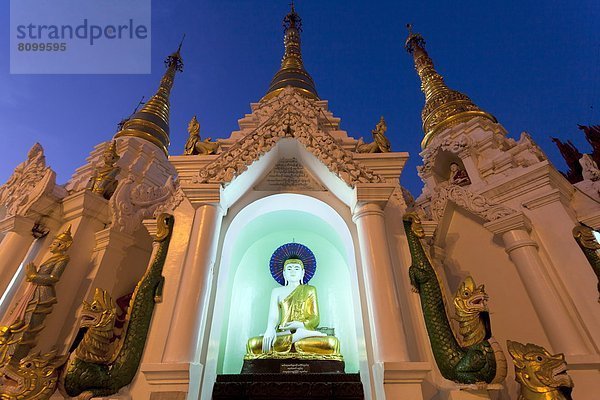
<point x="292" y="322"/>
<point x="104" y="180"/>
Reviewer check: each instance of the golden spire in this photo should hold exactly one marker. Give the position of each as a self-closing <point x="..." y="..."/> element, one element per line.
<point x="444" y="107"/>
<point x="152" y="121"/>
<point x="292" y="72"/>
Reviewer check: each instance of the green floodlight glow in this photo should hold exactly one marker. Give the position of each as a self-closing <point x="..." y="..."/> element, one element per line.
<point x="251" y="283"/>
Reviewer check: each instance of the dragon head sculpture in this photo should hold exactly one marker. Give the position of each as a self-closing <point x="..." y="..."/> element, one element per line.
<point x="99" y="317"/>
<point x="542" y="375"/>
<point x="34" y="378"/>
<point x="100" y="313"/>
<point x="470" y="299"/>
<point x="471" y="312"/>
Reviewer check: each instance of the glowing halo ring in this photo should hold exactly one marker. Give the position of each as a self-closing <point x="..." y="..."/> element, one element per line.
<point x="292" y="250"/>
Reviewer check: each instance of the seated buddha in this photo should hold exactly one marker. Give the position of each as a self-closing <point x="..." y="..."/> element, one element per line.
<point x="292" y="322"/>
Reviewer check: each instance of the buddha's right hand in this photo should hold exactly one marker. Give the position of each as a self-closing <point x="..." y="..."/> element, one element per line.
<point x="268" y="340"/>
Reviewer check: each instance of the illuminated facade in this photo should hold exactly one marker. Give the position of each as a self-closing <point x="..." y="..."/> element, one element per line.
<point x="492" y="208"/>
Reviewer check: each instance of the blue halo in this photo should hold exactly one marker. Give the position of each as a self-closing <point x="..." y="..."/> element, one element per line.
<point x="292" y="250"/>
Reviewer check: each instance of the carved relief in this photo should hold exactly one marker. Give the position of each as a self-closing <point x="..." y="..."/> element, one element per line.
<point x="288" y="115"/>
<point x="29" y="181"/>
<point x="430" y="153"/>
<point x="134" y="201"/>
<point x="475" y="203"/>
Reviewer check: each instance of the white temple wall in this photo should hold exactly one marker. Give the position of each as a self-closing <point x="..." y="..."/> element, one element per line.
<point x="573" y="275"/>
<point x="468" y="248"/>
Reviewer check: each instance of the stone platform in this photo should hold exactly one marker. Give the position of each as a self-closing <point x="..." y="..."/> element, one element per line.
<point x="289" y="386"/>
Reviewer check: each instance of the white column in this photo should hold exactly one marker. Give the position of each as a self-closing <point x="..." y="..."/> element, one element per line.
<point x="87" y="213"/>
<point x="523" y="251"/>
<point x="384" y="315"/>
<point x="13" y="247"/>
<point x="194" y="288"/>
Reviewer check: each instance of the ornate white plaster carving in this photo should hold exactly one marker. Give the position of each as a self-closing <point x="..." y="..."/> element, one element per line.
<point x="29" y="181"/>
<point x="475" y="203"/>
<point x="447" y="144"/>
<point x="589" y="168"/>
<point x="591" y="177"/>
<point x="133" y="201"/>
<point x="288" y="115"/>
<point x="527" y="151"/>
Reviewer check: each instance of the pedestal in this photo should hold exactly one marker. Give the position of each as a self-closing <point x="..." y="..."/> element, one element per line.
<point x="288" y="386"/>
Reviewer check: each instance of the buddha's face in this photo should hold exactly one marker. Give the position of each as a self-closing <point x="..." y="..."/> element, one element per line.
<point x="293" y="272"/>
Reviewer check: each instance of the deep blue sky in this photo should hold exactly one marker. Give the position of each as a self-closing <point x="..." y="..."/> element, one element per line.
<point x="536" y="67"/>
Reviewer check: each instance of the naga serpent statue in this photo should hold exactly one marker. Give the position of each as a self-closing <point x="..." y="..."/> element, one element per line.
<point x="542" y="376"/>
<point x="468" y="364"/>
<point x="97" y="368"/>
<point x="34" y="378"/>
<point x="590" y="246"/>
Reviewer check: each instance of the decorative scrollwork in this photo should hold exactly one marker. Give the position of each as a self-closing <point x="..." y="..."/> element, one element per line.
<point x="134" y="201"/>
<point x="475" y="203"/>
<point x="29" y="180"/>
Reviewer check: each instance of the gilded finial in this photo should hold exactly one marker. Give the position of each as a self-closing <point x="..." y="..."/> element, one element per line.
<point x="151" y="123"/>
<point x="292" y="71"/>
<point x="444" y="107"/>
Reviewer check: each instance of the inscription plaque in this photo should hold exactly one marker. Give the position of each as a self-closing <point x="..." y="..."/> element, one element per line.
<point x="289" y="174"/>
<point x="294" y="368"/>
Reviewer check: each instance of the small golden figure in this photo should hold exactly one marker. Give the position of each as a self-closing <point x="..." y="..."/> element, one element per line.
<point x="26" y="319"/>
<point x="195" y="145"/>
<point x="380" y="143"/>
<point x="458" y="176"/>
<point x="104" y="181"/>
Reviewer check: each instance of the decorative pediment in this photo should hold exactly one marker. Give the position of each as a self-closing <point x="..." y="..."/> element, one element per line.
<point x="463" y="198"/>
<point x="288" y="115"/>
<point x="135" y="201"/>
<point x="30" y="181"/>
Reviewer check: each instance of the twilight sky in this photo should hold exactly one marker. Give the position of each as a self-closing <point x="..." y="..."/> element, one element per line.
<point x="535" y="67"/>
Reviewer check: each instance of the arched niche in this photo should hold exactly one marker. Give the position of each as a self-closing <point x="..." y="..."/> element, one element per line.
<point x="244" y="282"/>
<point x="442" y="163"/>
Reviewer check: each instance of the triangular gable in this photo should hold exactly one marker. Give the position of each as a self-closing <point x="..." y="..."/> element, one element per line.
<point x="289" y="115"/>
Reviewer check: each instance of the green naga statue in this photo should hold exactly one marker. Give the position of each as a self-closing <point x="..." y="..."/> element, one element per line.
<point x="467" y="364"/>
<point x="99" y="367"/>
<point x="590" y="246"/>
